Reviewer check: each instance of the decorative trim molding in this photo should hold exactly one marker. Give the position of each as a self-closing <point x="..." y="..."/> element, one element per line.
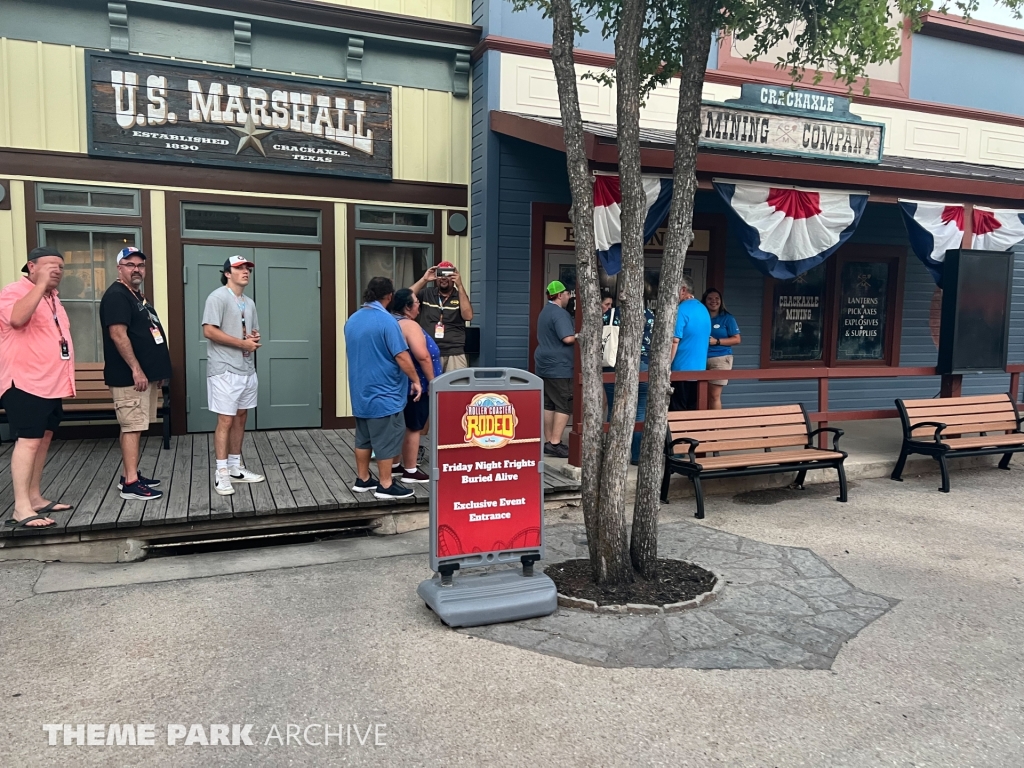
<point x="460" y="75"/>
<point x="345" y="18"/>
<point x="354" y="60"/>
<point x="117" y="15"/>
<point x="979" y="33"/>
<point x="243" y="44"/>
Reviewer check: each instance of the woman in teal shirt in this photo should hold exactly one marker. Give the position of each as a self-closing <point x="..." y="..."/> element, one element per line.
<point x="725" y="334"/>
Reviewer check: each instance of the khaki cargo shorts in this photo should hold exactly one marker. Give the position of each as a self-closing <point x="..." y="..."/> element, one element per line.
<point x="135" y="410"/>
<point x="722" y="363"/>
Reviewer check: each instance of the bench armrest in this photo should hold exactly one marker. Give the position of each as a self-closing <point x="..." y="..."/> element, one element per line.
<point x="1019" y="420"/>
<point x="939" y="426"/>
<point x="689" y="441"/>
<point x="836" y="434"/>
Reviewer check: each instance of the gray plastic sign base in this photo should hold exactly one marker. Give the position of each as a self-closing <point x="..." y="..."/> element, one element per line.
<point x="490" y="597"/>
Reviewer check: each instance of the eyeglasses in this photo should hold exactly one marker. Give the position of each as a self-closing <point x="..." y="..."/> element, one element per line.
<point x="132" y="266"/>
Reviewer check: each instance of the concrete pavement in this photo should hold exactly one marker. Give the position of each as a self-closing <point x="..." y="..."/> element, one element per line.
<point x="935" y="681"/>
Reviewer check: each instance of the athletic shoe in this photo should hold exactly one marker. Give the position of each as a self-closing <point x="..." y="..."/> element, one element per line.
<point x="240" y="474"/>
<point x="151" y="482"/>
<point x="222" y="483"/>
<point x="396" y="491"/>
<point x="362" y="486"/>
<point x="418" y="476"/>
<point x="558" y="450"/>
<point x="141" y="491"/>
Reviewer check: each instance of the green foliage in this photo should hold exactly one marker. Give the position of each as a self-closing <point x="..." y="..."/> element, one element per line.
<point x="840" y="38"/>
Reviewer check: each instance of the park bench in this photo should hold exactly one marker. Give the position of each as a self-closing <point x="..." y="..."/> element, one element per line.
<point x="737" y="442"/>
<point x="93" y="401"/>
<point x="955" y="427"/>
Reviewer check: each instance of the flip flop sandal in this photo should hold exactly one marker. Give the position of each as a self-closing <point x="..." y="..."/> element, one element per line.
<point x="24" y="523"/>
<point x="52" y="507"/>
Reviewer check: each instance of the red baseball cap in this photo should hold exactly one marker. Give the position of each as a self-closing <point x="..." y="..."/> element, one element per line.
<point x="446" y="265"/>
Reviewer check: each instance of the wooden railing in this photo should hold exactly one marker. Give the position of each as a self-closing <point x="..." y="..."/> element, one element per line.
<point x="950" y="387"/>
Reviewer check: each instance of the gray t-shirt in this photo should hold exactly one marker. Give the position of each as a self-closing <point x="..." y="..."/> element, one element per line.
<point x="224" y="310"/>
<point x="554" y="359"/>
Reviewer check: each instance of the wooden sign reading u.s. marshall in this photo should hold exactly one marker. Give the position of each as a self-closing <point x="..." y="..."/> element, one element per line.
<point x="151" y="109"/>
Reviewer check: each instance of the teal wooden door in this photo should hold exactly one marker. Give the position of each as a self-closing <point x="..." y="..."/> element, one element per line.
<point x="288" y="362"/>
<point x="285" y="287"/>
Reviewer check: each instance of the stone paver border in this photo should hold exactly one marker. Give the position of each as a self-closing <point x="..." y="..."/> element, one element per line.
<point x="643" y="609"/>
<point x="773" y="607"/>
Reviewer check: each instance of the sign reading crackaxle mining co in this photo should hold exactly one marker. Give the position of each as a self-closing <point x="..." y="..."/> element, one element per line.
<point x="488" y="489"/>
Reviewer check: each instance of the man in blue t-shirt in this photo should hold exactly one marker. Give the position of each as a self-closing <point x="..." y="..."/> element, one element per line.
<point x="380" y="370"/>
<point x="689" y="346"/>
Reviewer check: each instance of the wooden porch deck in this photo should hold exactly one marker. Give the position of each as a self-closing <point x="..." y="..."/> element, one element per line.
<point x="307" y="471"/>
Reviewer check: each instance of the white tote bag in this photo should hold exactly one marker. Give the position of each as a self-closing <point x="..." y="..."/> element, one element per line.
<point x="609" y="342"/>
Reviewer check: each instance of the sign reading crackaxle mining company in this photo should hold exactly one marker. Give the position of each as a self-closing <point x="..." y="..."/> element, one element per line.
<point x="488" y="491"/>
<point x="154" y="109"/>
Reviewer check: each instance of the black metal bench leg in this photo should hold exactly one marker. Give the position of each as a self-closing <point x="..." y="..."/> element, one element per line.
<point x="167" y="431"/>
<point x="941" y="458"/>
<point x="800" y="477"/>
<point x="699" y="493"/>
<point x="843" y="495"/>
<point x="897" y="472"/>
<point x="666" y="477"/>
<point x="1004" y="463"/>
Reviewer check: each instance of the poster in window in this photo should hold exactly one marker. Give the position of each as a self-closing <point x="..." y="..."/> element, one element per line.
<point x="798" y="317"/>
<point x="863" y="293"/>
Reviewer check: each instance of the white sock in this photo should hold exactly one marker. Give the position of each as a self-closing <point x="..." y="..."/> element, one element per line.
<point x="222" y="465"/>
<point x="234" y="461"/>
<point x="411" y="470"/>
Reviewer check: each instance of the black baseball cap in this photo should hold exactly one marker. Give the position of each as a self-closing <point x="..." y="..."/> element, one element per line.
<point x="38" y="253"/>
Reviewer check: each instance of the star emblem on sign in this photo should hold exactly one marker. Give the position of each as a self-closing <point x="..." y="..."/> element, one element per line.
<point x="250" y="137"/>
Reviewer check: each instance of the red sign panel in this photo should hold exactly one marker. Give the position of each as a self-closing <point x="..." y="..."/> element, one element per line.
<point x="489" y="491"/>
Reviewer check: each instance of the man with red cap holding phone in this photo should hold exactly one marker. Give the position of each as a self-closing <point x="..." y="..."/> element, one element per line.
<point x="444" y="312"/>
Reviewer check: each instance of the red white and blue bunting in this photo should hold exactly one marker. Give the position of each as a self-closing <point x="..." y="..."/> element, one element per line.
<point x="608" y="216"/>
<point x="933" y="228"/>
<point x="787" y="230"/>
<point x="997" y="230"/>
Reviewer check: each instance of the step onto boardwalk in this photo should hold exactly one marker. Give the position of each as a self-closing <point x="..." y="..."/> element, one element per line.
<point x="309" y="474"/>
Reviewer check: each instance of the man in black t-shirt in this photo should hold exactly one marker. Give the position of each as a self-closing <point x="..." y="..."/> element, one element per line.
<point x="444" y="312"/>
<point x="136" y="365"/>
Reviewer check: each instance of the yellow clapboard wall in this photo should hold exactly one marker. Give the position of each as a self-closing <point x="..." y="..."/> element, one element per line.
<point x="42" y="106"/>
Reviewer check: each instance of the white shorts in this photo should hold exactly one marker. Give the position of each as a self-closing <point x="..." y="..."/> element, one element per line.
<point x="229" y="393"/>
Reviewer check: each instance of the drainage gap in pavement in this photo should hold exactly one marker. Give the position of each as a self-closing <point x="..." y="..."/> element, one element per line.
<point x="260" y="539"/>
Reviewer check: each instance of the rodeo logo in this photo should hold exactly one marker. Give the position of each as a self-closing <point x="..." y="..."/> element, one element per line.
<point x="490" y="421"/>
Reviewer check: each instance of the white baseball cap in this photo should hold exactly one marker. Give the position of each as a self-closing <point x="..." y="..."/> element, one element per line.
<point x="237" y="261"/>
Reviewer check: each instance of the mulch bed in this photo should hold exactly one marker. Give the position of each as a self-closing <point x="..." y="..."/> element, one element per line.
<point x="677" y="581"/>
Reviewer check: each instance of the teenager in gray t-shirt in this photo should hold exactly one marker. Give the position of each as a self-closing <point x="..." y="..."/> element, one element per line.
<point x="232" y="335"/>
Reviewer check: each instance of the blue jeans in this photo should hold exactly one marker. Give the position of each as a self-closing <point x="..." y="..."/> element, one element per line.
<point x="641" y="410"/>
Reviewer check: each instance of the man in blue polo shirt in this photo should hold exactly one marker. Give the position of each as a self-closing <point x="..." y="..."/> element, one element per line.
<point x="689" y="346"/>
<point x="380" y="370"/>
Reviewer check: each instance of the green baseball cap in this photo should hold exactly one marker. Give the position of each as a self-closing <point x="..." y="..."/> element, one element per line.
<point x="555" y="287"/>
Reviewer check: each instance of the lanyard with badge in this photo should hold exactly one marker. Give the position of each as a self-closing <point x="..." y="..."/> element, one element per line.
<point x="240" y="303"/>
<point x="439" y="327"/>
<point x="65" y="351"/>
<point x="154" y="321"/>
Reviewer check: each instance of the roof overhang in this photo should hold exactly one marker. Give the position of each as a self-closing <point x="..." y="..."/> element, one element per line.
<point x="893" y="177"/>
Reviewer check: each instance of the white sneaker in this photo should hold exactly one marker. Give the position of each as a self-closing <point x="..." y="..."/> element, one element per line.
<point x="222" y="483"/>
<point x="240" y="474"/>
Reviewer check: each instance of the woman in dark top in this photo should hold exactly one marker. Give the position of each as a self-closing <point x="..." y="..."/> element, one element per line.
<point x="426" y="356"/>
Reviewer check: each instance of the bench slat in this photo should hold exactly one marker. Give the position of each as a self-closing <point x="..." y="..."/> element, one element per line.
<point x="743" y="445"/>
<point x="678" y="425"/>
<point x="970" y="418"/>
<point x="781" y="457"/>
<point x="985" y="442"/>
<point x="733" y="413"/>
<point x="932" y="414"/>
<point x="966" y="429"/>
<point x="745" y="433"/>
<point x="1002" y="397"/>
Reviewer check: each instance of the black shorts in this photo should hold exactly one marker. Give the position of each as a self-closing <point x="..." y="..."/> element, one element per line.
<point x="30" y="416"/>
<point x="417" y="413"/>
<point x="558" y="395"/>
<point x="684" y="396"/>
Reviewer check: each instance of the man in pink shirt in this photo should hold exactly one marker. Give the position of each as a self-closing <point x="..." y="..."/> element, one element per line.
<point x="37" y="370"/>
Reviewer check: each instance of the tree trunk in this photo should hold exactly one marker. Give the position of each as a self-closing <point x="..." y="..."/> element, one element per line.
<point x="614" y="473"/>
<point x="602" y="539"/>
<point x="697" y="43"/>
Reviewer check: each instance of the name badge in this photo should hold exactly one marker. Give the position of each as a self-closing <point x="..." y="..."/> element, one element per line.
<point x="439" y="331"/>
<point x="157" y="336"/>
<point x="65" y="353"/>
